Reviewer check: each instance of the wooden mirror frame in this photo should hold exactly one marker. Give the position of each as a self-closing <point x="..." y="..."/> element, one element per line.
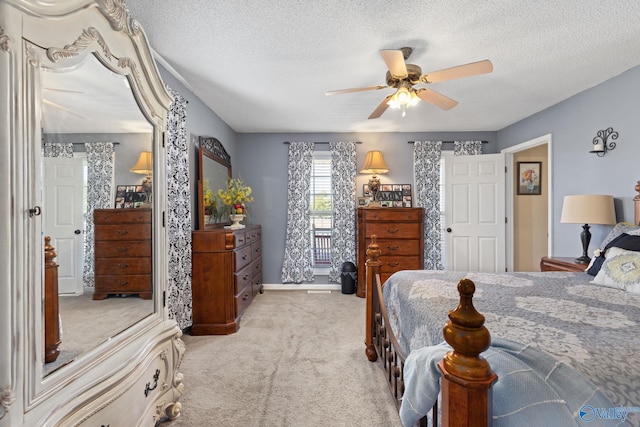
<point x="211" y="148"/>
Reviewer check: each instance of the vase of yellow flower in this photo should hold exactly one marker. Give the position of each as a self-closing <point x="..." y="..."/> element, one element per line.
<point x="235" y="196"/>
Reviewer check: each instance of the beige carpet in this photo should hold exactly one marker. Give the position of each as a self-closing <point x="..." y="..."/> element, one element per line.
<point x="297" y="361"/>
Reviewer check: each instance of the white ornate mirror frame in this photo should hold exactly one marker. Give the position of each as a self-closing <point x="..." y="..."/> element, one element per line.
<point x="132" y="378"/>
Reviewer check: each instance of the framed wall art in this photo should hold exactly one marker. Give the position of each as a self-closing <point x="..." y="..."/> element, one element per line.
<point x="392" y="195"/>
<point x="130" y="196"/>
<point x="529" y="178"/>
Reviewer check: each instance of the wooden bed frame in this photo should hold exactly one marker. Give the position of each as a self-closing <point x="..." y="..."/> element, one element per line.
<point x="466" y="377"/>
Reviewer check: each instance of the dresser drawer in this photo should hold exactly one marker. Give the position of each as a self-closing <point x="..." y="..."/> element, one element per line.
<point x="122" y="266"/>
<point x="240" y="239"/>
<point x="253" y="236"/>
<point x="111" y="249"/>
<point x="398" y="247"/>
<point x="123" y="232"/>
<point x="243" y="277"/>
<point x="391" y="264"/>
<point x="397" y="230"/>
<point x="243" y="300"/>
<point x="256" y="250"/>
<point x="109" y="216"/>
<point x="242" y="257"/>
<point x="393" y="214"/>
<point x="124" y="284"/>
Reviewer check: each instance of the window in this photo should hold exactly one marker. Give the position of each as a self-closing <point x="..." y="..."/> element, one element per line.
<point x="321" y="207"/>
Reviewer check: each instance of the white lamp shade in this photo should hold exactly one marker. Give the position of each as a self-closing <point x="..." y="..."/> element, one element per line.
<point x="588" y="209"/>
<point x="143" y="165"/>
<point x="374" y="163"/>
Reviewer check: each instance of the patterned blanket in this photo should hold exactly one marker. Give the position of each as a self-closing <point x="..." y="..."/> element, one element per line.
<point x="587" y="327"/>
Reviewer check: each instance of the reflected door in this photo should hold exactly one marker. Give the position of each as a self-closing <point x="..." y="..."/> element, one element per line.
<point x="63" y="218"/>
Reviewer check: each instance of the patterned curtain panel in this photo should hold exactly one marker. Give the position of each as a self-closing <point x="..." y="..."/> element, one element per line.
<point x="426" y="170"/>
<point x="467" y="148"/>
<point x="58" y="149"/>
<point x="179" y="213"/>
<point x="343" y="190"/>
<point x="100" y="158"/>
<point x="297" y="266"/>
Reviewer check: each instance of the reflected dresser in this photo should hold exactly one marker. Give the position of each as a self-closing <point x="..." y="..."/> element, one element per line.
<point x="399" y="233"/>
<point x="122" y="252"/>
<point x="227" y="275"/>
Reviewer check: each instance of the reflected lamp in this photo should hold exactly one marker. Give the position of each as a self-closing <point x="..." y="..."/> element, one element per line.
<point x="587" y="209"/>
<point x="144" y="167"/>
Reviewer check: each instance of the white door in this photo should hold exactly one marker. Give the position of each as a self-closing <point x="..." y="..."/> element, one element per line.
<point x="475" y="213"/>
<point x="63" y="218"/>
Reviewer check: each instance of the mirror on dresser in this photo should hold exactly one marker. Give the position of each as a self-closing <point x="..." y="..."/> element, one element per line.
<point x="214" y="172"/>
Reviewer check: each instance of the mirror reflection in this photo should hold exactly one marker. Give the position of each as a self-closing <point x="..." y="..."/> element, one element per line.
<point x="214" y="174"/>
<point x="96" y="192"/>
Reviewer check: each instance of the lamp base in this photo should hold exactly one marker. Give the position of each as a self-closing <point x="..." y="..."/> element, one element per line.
<point x="582" y="260"/>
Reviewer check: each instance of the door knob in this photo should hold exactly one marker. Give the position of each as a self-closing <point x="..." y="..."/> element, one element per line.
<point x="77" y="232"/>
<point x="449" y="230"/>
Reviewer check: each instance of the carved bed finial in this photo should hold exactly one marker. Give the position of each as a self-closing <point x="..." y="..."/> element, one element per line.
<point x="466" y="333"/>
<point x="638" y="191"/>
<point x="49" y="253"/>
<point x="373" y="250"/>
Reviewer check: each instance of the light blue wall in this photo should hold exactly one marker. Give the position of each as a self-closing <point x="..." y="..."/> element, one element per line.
<point x="573" y="124"/>
<point x="263" y="166"/>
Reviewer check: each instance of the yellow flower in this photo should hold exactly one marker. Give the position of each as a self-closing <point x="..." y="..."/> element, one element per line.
<point x="236" y="193"/>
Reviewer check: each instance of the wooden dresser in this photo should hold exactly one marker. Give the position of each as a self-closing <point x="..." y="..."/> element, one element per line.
<point x="122" y="252"/>
<point x="227" y="275"/>
<point x="400" y="236"/>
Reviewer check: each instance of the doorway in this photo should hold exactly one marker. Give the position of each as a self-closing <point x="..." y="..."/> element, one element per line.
<point x="529" y="216"/>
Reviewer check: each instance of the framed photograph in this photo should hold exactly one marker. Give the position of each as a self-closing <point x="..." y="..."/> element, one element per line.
<point x="130" y="196"/>
<point x="529" y="178"/>
<point x="391" y="195"/>
<point x="363" y="201"/>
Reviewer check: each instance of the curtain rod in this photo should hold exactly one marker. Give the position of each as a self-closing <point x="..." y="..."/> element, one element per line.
<point x="319" y="142"/>
<point x="451" y="142"/>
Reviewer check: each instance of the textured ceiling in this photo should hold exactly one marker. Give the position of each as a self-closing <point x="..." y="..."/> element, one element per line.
<point x="264" y="66"/>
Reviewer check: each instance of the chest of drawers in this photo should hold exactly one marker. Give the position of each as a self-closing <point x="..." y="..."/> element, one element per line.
<point x="226" y="276"/>
<point x="122" y="252"/>
<point x="399" y="233"/>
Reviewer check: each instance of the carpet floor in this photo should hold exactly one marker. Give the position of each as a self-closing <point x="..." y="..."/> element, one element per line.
<point x="297" y="361"/>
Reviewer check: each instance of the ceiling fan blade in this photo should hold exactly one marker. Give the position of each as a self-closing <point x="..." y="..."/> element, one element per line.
<point x="62" y="108"/>
<point x="381" y="108"/>
<point x="357" y="89"/>
<point x="467" y="70"/>
<point x="435" y="98"/>
<point x="395" y="63"/>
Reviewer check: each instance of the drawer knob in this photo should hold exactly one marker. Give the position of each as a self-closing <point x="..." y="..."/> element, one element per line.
<point x="245" y="277"/>
<point x="392" y="248"/>
<point x="122" y="232"/>
<point x="244" y="257"/>
<point x="125" y="283"/>
<point x="392" y="264"/>
<point x="123" y="266"/>
<point x="245" y="297"/>
<point x="122" y="249"/>
<point x="393" y="230"/>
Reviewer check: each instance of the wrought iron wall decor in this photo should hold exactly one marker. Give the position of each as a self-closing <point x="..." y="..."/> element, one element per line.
<point x="601" y="143"/>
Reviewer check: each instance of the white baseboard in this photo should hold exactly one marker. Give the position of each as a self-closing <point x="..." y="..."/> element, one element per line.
<point x="301" y="287"/>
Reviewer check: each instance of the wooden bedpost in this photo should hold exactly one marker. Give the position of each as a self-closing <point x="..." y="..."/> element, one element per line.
<point x="372" y="266"/>
<point x="466" y="377"/>
<point x="636" y="205"/>
<point x="51" y="319"/>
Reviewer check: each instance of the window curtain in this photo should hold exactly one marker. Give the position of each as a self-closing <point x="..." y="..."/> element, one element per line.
<point x="426" y="170"/>
<point x="297" y="266"/>
<point x="58" y="149"/>
<point x="343" y="190"/>
<point x="100" y="160"/>
<point x="467" y="148"/>
<point x="178" y="213"/>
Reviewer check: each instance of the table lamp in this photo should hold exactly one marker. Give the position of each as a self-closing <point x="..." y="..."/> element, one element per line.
<point x="374" y="164"/>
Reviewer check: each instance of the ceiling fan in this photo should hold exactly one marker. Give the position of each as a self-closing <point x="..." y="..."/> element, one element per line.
<point x="402" y="77"/>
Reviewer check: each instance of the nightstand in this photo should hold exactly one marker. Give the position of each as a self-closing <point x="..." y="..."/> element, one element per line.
<point x="561" y="264"/>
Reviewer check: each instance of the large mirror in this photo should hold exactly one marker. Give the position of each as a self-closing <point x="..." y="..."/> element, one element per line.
<point x="214" y="172"/>
<point x="87" y="109"/>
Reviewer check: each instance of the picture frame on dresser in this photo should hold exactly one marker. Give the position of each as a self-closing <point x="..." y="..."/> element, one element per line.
<point x="391" y="195"/>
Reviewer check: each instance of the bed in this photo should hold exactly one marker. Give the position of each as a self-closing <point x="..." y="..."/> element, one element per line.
<point x="579" y="337"/>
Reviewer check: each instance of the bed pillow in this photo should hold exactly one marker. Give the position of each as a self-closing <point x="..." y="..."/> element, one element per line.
<point x="620" y="269"/>
<point x="621" y="227"/>
<point x="623" y="241"/>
